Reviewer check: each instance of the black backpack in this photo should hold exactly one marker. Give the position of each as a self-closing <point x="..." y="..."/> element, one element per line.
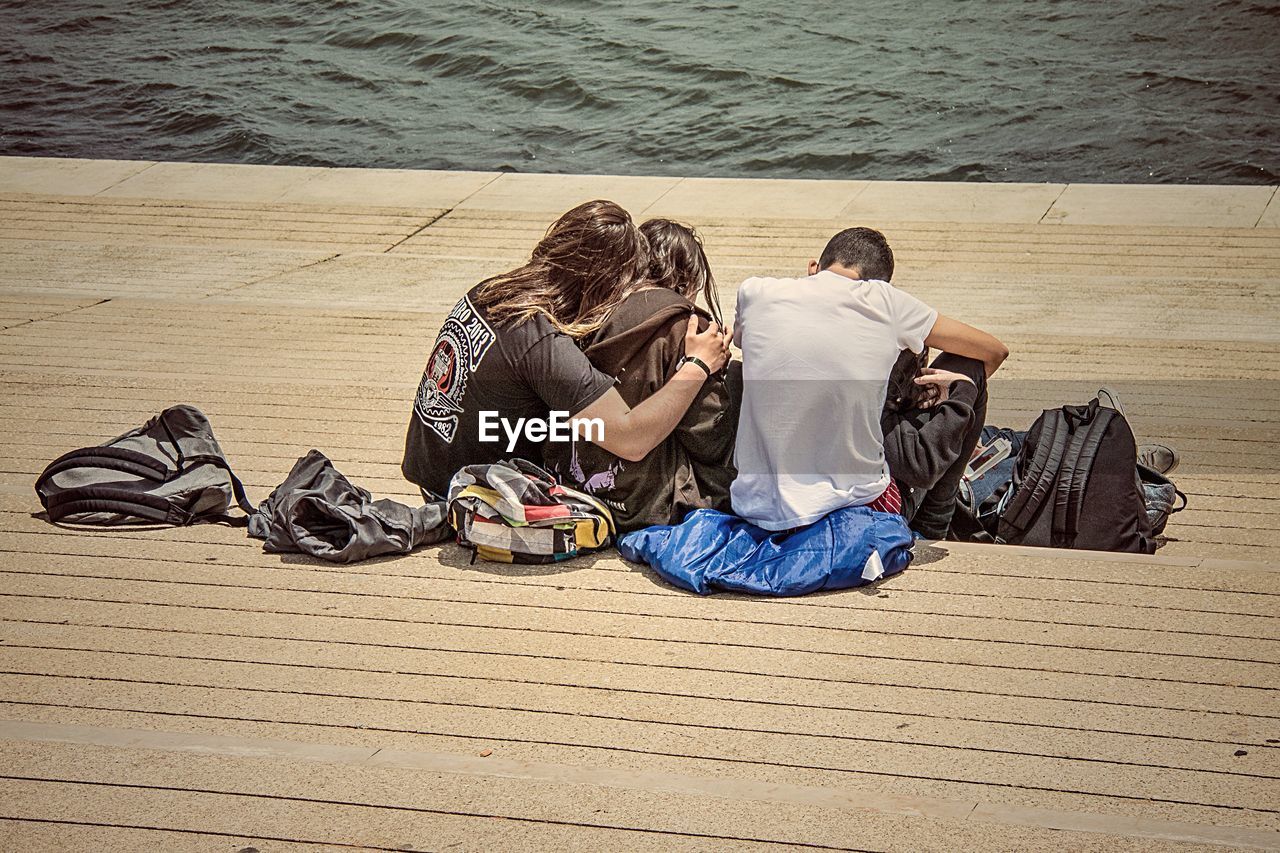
<point x="169" y="471"/>
<point x="1076" y="484"/>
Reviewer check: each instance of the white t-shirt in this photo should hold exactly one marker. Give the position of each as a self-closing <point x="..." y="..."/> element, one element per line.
<point x="816" y="357"/>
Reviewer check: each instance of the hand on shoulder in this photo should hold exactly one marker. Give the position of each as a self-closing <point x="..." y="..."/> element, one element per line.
<point x="710" y="346"/>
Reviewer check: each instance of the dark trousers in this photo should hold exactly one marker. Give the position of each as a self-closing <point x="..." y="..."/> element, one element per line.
<point x="929" y="512"/>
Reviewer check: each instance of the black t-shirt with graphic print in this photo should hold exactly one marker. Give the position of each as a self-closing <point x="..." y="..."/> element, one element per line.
<point x="524" y="371"/>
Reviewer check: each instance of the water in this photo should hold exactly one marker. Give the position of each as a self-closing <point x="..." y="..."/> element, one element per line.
<point x="1002" y="90"/>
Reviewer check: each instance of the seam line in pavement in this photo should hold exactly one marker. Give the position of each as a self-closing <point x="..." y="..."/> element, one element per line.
<point x="414" y="233"/>
<point x="268" y="277"/>
<point x="650" y="781"/>
<point x="437" y="218"/>
<point x="1267" y="206"/>
<point x="34" y="320"/>
<point x="125" y="178"/>
<point x="1056" y="198"/>
<point x="655" y="202"/>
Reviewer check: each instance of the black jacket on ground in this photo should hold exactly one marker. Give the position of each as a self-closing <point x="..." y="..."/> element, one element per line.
<point x="318" y="511"/>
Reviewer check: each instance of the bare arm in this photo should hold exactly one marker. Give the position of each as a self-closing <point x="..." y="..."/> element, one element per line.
<point x="632" y="433"/>
<point x="953" y="336"/>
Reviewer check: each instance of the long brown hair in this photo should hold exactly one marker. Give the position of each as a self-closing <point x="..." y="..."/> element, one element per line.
<point x="904" y="394"/>
<point x="590" y="259"/>
<point x="678" y="261"/>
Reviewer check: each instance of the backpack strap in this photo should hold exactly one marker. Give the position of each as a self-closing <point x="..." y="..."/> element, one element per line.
<point x="120" y="501"/>
<point x="103" y="498"/>
<point x="1077" y="463"/>
<point x="112" y="458"/>
<point x="237" y="488"/>
<point x="1033" y="486"/>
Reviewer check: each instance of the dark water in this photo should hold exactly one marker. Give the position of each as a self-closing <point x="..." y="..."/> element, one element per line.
<point x="1089" y="90"/>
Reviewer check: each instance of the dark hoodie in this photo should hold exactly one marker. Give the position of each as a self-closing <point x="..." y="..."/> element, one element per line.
<point x="640" y="345"/>
<point x="921" y="445"/>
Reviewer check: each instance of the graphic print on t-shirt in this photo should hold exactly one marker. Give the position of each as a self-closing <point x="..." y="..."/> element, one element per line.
<point x="599" y="481"/>
<point x="464" y="339"/>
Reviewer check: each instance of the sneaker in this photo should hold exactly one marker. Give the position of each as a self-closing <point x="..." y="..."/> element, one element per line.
<point x="1111" y="400"/>
<point x="1160" y="458"/>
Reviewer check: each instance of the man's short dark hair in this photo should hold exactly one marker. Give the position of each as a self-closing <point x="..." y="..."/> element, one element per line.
<point x="863" y="249"/>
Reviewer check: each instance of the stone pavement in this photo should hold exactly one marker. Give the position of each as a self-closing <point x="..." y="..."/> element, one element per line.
<point x="179" y="689"/>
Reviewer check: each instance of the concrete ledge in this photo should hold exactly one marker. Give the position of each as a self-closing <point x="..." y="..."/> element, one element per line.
<point x="953" y="202"/>
<point x="734" y="198"/>
<point x="212" y="181"/>
<point x="57" y="176"/>
<point x="1122" y="204"/>
<point x="558" y="193"/>
<point x="697" y="199"/>
<point x="388" y="187"/>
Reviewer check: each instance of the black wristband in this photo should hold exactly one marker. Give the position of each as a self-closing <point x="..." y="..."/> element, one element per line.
<point x="693" y="359"/>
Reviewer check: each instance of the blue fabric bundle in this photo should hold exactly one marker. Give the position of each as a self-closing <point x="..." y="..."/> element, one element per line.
<point x="711" y="550"/>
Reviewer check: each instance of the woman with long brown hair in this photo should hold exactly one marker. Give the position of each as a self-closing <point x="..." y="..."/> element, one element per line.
<point x="642" y="342"/>
<point x="509" y="352"/>
<point x="678" y="261"/>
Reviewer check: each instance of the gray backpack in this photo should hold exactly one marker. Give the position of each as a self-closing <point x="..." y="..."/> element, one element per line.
<point x="168" y="471"/>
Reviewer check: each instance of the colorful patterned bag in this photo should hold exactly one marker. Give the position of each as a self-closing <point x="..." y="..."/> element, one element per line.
<point x="515" y="512"/>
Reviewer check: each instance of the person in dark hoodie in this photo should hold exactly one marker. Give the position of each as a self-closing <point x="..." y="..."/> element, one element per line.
<point x="641" y="345"/>
<point x="932" y="420"/>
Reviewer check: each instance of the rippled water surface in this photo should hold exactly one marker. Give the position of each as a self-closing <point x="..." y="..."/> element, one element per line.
<point x="1090" y="90"/>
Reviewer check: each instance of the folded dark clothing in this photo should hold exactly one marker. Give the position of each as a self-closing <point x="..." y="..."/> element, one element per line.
<point x="318" y="511"/>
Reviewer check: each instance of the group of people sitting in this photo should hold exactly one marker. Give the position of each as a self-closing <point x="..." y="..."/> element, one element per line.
<point x="833" y="403"/>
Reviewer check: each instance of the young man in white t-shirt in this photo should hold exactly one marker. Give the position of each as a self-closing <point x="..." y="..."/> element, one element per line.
<point x="816" y="357"/>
